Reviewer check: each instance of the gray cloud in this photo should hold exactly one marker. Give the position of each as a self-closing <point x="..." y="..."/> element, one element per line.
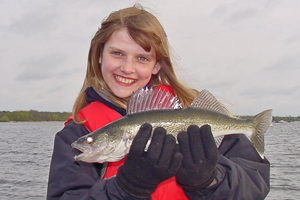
<point x="41" y="68"/>
<point x="34" y="22"/>
<point x="271" y="91"/>
<point x="244" y="51"/>
<point x="241" y="15"/>
<point x="293" y="39"/>
<point x="2" y="53"/>
<point x="286" y="65"/>
<point x="235" y="12"/>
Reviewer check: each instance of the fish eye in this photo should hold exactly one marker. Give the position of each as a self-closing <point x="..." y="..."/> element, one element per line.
<point x="89" y="140"/>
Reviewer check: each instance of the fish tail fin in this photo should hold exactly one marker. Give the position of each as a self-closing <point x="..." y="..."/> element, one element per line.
<point x="262" y="122"/>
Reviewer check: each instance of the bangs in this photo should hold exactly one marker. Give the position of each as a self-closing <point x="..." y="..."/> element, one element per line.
<point x="141" y="39"/>
<point x="143" y="28"/>
<point x="146" y="40"/>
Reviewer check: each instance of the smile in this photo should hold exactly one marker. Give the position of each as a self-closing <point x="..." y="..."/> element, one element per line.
<point x="124" y="80"/>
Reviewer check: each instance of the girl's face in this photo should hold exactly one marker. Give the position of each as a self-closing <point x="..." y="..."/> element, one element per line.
<point x="126" y="66"/>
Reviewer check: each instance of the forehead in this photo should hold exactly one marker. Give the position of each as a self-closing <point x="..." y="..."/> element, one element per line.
<point x="121" y="39"/>
<point x="120" y="35"/>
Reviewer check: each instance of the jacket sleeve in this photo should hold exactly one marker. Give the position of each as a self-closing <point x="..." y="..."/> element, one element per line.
<point x="77" y="180"/>
<point x="241" y="172"/>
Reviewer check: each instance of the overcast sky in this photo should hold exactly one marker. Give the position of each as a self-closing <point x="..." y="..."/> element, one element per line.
<point x="245" y="52"/>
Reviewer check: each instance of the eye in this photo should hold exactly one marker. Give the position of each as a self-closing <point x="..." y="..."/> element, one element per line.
<point x="89" y="140"/>
<point x="143" y="58"/>
<point x="117" y="53"/>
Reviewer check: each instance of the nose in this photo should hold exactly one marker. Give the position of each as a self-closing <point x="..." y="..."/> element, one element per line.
<point x="128" y="66"/>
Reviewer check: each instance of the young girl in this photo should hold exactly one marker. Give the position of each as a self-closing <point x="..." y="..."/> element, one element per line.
<point x="129" y="52"/>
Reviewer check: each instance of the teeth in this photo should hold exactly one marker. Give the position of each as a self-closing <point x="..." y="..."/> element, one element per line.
<point x="124" y="80"/>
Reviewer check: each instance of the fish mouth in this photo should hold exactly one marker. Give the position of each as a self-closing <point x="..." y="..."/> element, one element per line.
<point x="90" y="157"/>
<point x="86" y="151"/>
<point x="80" y="157"/>
<point x="80" y="148"/>
<point x="88" y="154"/>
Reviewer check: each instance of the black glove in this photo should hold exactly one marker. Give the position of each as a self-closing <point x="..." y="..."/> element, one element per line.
<point x="143" y="171"/>
<point x="200" y="155"/>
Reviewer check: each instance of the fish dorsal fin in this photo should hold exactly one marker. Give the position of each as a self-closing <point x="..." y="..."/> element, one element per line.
<point x="151" y="99"/>
<point x="206" y="101"/>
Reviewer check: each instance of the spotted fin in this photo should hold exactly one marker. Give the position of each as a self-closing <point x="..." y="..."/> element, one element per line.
<point x="206" y="101"/>
<point x="152" y="99"/>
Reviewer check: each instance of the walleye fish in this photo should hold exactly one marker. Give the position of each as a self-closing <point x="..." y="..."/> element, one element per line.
<point x="161" y="109"/>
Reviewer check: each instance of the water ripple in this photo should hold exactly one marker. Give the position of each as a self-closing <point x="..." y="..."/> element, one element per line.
<point x="26" y="149"/>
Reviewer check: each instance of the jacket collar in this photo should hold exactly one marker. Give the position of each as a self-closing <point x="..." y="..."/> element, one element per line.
<point x="92" y="95"/>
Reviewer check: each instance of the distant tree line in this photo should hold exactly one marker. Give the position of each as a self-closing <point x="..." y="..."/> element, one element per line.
<point x="32" y="115"/>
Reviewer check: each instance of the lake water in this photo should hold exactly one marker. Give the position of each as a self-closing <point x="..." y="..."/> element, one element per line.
<point x="26" y="149"/>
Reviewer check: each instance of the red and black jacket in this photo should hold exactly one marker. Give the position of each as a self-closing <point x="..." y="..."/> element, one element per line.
<point x="241" y="173"/>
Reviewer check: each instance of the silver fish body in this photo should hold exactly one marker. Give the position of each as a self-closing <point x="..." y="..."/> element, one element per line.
<point x="112" y="142"/>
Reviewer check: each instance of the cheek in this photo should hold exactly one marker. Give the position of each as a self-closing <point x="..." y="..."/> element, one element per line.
<point x="107" y="67"/>
<point x="145" y="74"/>
<point x="104" y="72"/>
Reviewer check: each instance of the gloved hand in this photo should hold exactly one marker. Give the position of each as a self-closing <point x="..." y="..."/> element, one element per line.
<point x="143" y="171"/>
<point x="200" y="155"/>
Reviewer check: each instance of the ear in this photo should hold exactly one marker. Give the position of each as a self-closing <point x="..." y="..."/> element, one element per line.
<point x="100" y="59"/>
<point x="156" y="68"/>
